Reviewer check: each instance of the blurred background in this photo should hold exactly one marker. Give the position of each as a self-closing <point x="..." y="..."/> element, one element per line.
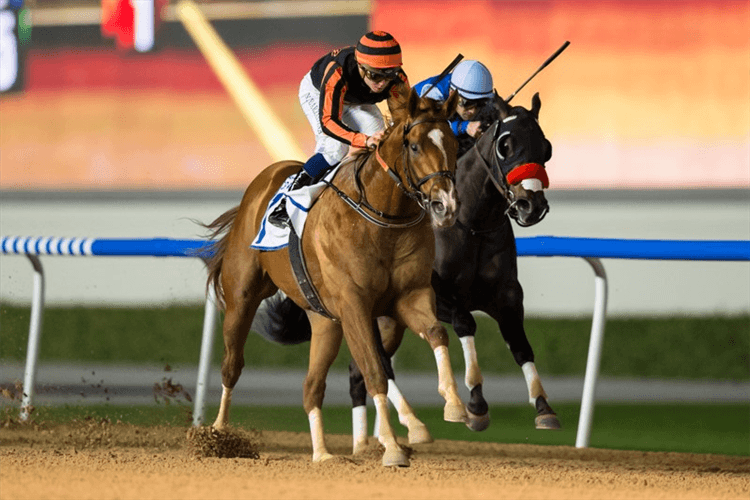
<point x="105" y="134"/>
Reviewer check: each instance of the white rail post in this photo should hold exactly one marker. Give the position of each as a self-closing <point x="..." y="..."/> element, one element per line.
<point x="35" y="334"/>
<point x="204" y="365"/>
<point x="586" y="418"/>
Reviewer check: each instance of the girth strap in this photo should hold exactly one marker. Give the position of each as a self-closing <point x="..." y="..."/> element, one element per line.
<point x="296" y="259"/>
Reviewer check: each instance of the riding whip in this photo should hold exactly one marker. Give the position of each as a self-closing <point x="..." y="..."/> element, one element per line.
<point x="544" y="65"/>
<point x="447" y="70"/>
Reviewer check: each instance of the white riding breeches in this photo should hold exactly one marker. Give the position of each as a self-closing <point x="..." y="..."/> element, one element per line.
<point x="365" y="118"/>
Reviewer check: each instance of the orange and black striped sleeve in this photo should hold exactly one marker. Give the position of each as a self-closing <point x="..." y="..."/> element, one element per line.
<point x="332" y="92"/>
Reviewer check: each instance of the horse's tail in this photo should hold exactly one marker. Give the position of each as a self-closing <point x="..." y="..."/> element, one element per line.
<point x="221" y="225"/>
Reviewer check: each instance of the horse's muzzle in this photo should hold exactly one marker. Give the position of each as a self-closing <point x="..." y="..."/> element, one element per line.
<point x="444" y="206"/>
<point x="529" y="208"/>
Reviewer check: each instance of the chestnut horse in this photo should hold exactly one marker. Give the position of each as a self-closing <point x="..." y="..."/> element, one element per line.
<point x="368" y="246"/>
<point x="500" y="177"/>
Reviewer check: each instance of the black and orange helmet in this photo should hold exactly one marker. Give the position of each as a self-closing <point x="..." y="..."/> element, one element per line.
<point x="378" y="50"/>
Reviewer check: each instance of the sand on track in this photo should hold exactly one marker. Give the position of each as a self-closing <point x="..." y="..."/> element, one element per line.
<point x="101" y="460"/>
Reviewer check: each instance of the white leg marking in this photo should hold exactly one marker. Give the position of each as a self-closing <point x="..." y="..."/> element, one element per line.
<point x="533" y="382"/>
<point x="454" y="410"/>
<point x="222" y="419"/>
<point x="473" y="373"/>
<point x="418" y="432"/>
<point x="320" y="452"/>
<point x="394" y="455"/>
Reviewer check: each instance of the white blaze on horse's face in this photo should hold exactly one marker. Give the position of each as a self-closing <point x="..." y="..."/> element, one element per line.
<point x="443" y="204"/>
<point x="436" y="136"/>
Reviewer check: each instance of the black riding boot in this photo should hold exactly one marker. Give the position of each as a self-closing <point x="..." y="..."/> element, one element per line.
<point x="279" y="217"/>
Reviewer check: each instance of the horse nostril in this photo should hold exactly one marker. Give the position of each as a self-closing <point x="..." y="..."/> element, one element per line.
<point x="523" y="205"/>
<point x="438" y="207"/>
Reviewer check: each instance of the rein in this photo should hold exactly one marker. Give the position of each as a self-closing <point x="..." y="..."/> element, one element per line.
<point x="504" y="190"/>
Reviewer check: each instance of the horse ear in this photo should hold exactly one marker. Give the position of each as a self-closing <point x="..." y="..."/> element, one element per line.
<point x="398" y="99"/>
<point x="536" y="105"/>
<point x="503" y="107"/>
<point x="413" y="102"/>
<point x="449" y="107"/>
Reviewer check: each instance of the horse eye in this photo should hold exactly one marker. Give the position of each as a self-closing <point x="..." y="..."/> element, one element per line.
<point x="505" y="147"/>
<point x="414" y="147"/>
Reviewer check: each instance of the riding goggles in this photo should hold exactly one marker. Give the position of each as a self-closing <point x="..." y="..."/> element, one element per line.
<point x="378" y="75"/>
<point x="471" y="103"/>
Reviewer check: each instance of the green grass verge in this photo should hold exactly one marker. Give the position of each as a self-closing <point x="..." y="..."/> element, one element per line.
<point x="689" y="348"/>
<point x="686" y="428"/>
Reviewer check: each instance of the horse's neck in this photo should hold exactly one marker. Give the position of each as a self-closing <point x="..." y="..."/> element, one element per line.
<point x="479" y="196"/>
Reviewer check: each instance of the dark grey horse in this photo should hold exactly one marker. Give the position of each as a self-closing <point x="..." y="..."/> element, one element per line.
<point x="499" y="178"/>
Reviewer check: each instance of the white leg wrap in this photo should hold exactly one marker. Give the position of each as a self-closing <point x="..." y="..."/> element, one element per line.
<point x="473" y="374"/>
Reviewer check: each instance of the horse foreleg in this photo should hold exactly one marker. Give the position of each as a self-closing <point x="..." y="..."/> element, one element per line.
<point x="324" y="346"/>
<point x="510" y="320"/>
<point x="417" y="311"/>
<point x="477" y="409"/>
<point x="366" y="348"/>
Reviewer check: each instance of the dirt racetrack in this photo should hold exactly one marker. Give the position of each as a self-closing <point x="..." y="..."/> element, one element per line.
<point x="95" y="460"/>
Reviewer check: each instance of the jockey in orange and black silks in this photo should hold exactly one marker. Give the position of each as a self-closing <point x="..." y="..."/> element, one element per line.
<point x="339" y="96"/>
<point x="347" y="84"/>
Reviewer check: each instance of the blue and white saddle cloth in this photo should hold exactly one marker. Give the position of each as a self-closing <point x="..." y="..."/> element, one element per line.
<point x="298" y="204"/>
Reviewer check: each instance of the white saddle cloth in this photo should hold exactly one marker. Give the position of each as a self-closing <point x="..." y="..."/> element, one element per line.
<point x="298" y="204"/>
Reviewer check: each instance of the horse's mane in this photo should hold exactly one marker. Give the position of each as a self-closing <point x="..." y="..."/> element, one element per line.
<point x="487" y="116"/>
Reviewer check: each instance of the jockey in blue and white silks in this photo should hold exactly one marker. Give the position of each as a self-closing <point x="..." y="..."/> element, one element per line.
<point x="473" y="82"/>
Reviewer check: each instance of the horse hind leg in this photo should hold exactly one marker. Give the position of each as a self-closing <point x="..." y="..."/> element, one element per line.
<point x="236" y="328"/>
<point x="238" y="279"/>
<point x="545" y="419"/>
<point x="324" y="346"/>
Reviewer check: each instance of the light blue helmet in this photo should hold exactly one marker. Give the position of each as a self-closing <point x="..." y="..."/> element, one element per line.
<point x="472" y="79"/>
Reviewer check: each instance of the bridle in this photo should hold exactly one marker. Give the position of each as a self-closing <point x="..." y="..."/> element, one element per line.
<point x="411" y="187"/>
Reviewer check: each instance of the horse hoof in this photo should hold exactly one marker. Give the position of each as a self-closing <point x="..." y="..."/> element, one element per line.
<point x="359" y="447"/>
<point x="395" y="457"/>
<point x="321" y="457"/>
<point x="419" y="434"/>
<point x="478" y="423"/>
<point x="454" y="413"/>
<point x="549" y="422"/>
